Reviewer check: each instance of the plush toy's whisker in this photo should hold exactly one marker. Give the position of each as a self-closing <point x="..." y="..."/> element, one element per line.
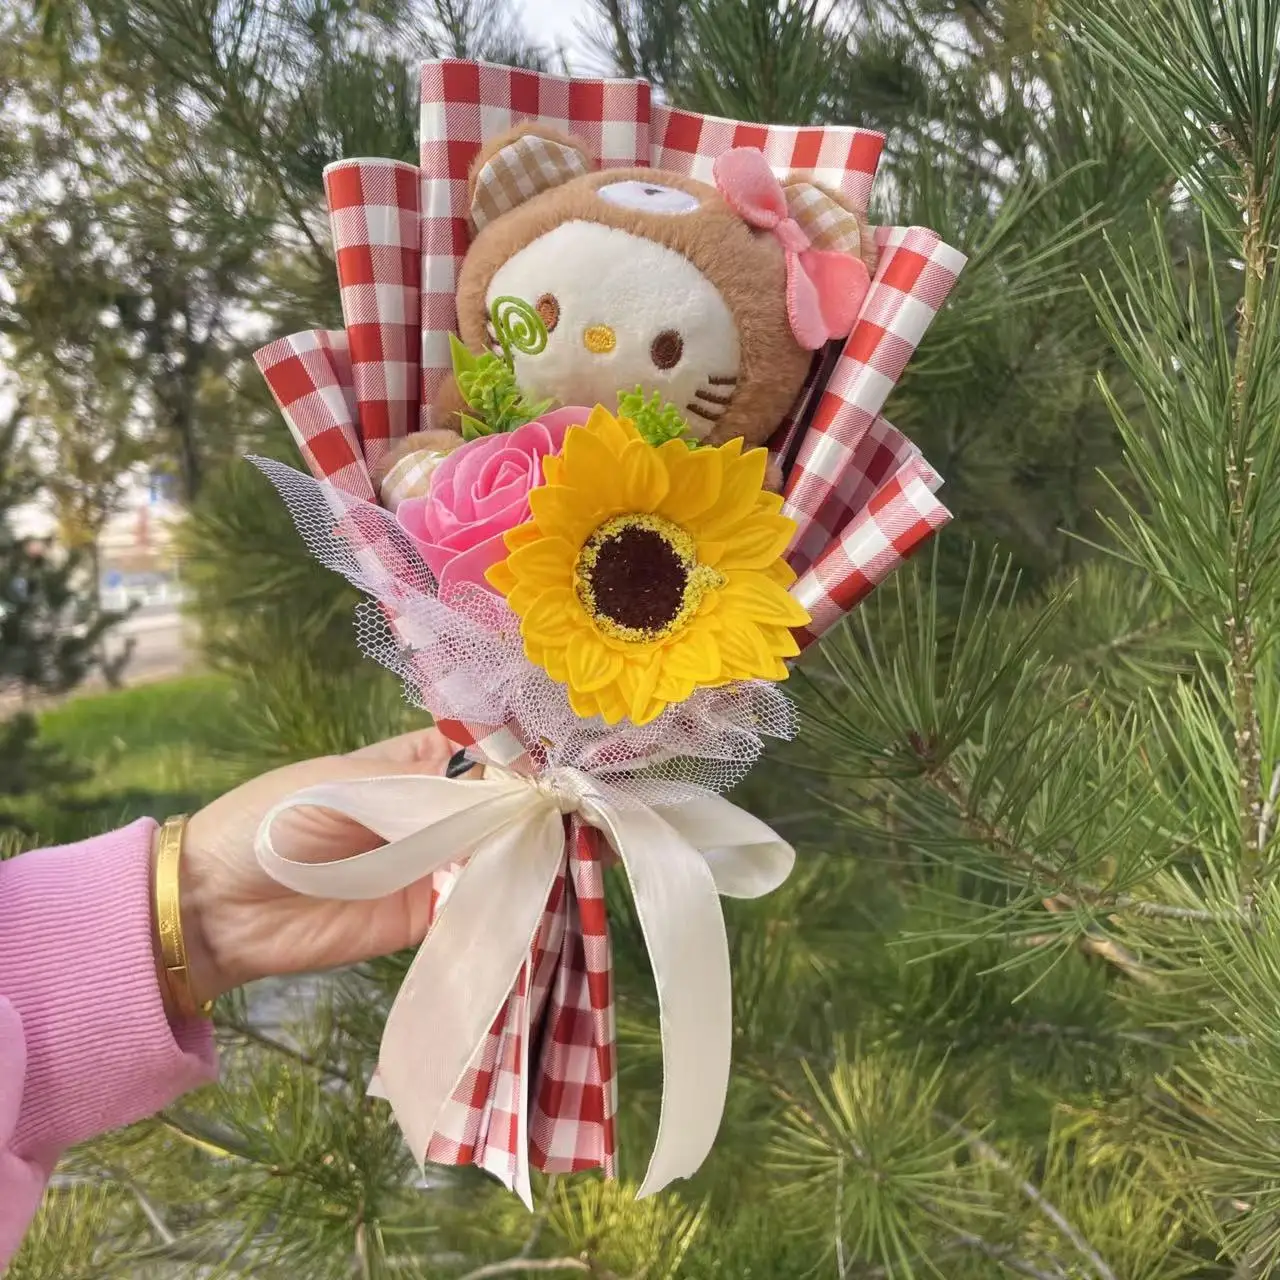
<point x="711" y="398"/>
<point x="730" y="381"/>
<point x="704" y="413"/>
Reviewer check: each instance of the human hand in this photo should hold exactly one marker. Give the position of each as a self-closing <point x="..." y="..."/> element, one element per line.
<point x="240" y="925"/>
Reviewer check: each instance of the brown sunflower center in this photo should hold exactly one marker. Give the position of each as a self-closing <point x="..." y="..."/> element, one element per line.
<point x="638" y="577"/>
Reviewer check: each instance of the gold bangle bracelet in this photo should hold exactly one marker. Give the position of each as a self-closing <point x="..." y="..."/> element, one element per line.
<point x="173" y="947"/>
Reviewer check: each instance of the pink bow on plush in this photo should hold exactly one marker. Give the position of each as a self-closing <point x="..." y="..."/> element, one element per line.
<point x="825" y="289"/>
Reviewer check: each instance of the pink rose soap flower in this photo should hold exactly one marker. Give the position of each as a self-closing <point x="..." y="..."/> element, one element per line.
<point x="479" y="493"/>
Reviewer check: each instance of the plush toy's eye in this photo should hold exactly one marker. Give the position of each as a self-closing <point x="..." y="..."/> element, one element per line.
<point x="666" y="349"/>
<point x="549" y="309"/>
<point x="650" y="197"/>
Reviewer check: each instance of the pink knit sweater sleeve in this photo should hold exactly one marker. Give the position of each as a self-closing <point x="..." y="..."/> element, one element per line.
<point x="84" y="1042"/>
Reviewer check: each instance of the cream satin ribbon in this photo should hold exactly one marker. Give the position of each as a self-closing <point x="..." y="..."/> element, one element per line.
<point x="509" y="831"/>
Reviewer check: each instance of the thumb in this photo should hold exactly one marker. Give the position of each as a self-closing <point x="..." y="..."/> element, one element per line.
<point x="427" y="750"/>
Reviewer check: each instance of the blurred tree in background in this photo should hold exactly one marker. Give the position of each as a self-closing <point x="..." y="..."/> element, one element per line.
<point x="50" y="626"/>
<point x="1014" y="1014"/>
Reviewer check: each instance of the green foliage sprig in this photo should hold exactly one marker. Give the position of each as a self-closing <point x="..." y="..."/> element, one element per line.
<point x="656" y="421"/>
<point x="488" y="381"/>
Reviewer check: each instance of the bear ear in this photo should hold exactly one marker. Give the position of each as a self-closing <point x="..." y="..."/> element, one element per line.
<point x="828" y="221"/>
<point x="520" y="164"/>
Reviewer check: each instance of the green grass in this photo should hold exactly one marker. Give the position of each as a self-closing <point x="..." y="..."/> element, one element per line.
<point x="151" y="751"/>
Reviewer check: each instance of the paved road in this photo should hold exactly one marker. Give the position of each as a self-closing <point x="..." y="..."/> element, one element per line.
<point x="160" y="645"/>
<point x="160" y="650"/>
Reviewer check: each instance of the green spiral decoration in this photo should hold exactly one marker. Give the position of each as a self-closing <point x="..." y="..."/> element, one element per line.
<point x="518" y="326"/>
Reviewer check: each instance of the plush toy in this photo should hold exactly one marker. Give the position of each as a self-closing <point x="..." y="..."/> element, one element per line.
<point x="707" y="299"/>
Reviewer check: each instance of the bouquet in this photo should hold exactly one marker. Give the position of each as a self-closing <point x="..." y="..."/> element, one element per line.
<point x="601" y="444"/>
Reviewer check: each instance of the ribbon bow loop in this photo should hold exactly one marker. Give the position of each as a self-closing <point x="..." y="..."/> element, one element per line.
<point x="825" y="289"/>
<point x="508" y="832"/>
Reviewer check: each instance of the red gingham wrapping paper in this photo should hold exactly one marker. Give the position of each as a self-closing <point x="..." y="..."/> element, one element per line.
<point x="839" y="157"/>
<point x="572" y="1092"/>
<point x="465" y="103"/>
<point x="544" y="1079"/>
<point x="310" y="376"/>
<point x="376" y="223"/>
<point x="829" y="481"/>
<point x="900" y="517"/>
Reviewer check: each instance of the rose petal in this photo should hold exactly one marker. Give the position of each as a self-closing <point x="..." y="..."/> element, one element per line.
<point x="471" y="565"/>
<point x="479" y="493"/>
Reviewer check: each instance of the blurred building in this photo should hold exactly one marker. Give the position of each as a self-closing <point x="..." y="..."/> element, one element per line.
<point x="136" y="560"/>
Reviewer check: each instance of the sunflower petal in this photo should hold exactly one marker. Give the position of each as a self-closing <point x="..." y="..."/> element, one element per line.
<point x="568" y="513"/>
<point x="781" y="641"/>
<point x="745" y="653"/>
<point x="521" y="535"/>
<point x="636" y="683"/>
<point x="549" y="561"/>
<point x="552" y="619"/>
<point x="524" y="596"/>
<point x="613" y="706"/>
<point x="500" y="577"/>
<point x="591" y="665"/>
<point x="781" y="573"/>
<point x="590" y="469"/>
<point x="585" y="705"/>
<point x="758" y="543"/>
<point x="555" y="664"/>
<point x="673" y="689"/>
<point x="757" y="597"/>
<point x="651" y="710"/>
<point x="743" y="479"/>
<point x="694" y="656"/>
<point x="696" y="476"/>
<point x="614" y="432"/>
<point x="644" y="481"/>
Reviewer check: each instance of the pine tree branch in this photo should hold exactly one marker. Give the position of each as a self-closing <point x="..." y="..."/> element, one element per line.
<point x="165" y="1235"/>
<point x="539" y="1222"/>
<point x="949" y="784"/>
<point x="245" y="1031"/>
<point x="1267" y="821"/>
<point x="958" y="1237"/>
<point x="623" y="51"/>
<point x="1006" y="1257"/>
<point x="842" y="1270"/>
<point x="985" y="1151"/>
<point x="532" y="1266"/>
<point x="1242" y="655"/>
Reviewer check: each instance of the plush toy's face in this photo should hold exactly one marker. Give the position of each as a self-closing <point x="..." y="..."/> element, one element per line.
<point x="643" y="279"/>
<point x="622" y="311"/>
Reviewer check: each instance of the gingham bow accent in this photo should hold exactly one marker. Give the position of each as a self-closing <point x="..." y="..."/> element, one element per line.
<point x="825" y="289"/>
<point x="509" y="828"/>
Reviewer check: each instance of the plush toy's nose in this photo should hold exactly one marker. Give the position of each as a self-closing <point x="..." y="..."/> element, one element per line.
<point x="599" y="338"/>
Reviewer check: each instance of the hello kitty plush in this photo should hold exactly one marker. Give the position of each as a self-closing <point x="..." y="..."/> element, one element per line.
<point x="712" y="297"/>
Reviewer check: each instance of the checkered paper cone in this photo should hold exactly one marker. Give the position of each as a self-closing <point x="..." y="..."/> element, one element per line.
<point x="375" y="218"/>
<point x="540" y="1089"/>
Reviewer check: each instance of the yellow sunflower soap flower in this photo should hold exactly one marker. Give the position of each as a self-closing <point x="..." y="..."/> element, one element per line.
<point x="648" y="572"/>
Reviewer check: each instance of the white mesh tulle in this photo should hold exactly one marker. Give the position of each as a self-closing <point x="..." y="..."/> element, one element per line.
<point x="463" y="660"/>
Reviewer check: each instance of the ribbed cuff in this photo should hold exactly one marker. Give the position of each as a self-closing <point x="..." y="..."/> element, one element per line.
<point x="77" y="963"/>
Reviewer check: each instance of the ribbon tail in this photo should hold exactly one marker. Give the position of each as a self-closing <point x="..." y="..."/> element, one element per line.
<point x="679" y="913"/>
<point x="747" y="857"/>
<point x="464" y="971"/>
<point x="523" y="1186"/>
